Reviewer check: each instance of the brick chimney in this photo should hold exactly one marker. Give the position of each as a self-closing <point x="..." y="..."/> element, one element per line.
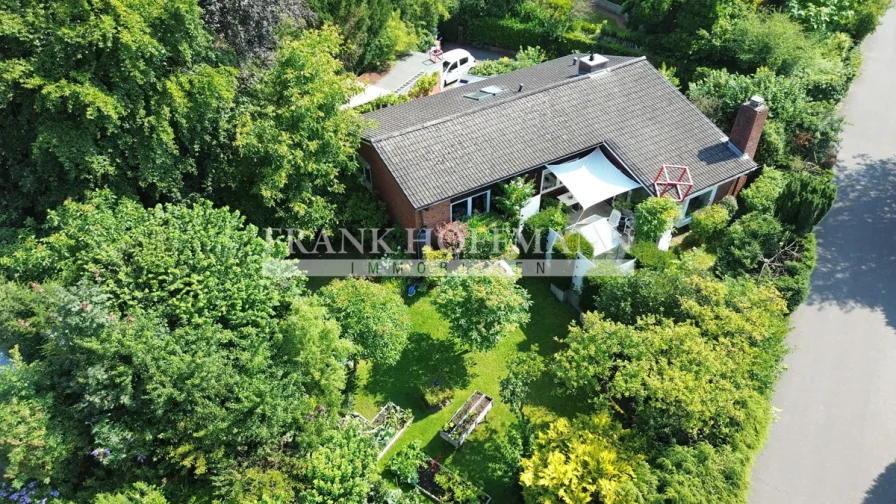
<point x="748" y="125"/>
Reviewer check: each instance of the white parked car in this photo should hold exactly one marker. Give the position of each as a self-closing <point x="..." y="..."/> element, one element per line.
<point x="455" y="63"/>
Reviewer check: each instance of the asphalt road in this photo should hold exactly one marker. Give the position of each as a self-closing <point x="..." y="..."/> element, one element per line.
<point x="835" y="437"/>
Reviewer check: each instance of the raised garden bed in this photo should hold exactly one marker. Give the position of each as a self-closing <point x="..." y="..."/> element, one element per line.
<point x="387" y="426"/>
<point x="463" y="493"/>
<point x="467" y="417"/>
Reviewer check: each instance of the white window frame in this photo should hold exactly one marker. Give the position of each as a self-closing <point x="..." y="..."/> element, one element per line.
<point x="559" y="182"/>
<point x="366" y="173"/>
<point x="684" y="219"/>
<point x="469" y="201"/>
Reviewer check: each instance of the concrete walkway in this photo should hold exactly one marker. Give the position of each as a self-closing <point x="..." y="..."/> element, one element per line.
<point x="835" y="440"/>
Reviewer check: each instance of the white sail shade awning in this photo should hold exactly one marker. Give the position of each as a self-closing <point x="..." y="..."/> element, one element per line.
<point x="593" y="178"/>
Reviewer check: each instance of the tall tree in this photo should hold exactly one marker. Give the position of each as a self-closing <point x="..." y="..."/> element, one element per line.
<point x="160" y="344"/>
<point x="250" y="27"/>
<point x="294" y="141"/>
<point x="125" y="94"/>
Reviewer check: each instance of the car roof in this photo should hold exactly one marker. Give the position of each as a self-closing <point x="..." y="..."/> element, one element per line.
<point x="456" y="54"/>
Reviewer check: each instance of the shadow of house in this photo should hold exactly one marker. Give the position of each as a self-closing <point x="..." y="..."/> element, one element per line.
<point x="857" y="240"/>
<point x="883" y="491"/>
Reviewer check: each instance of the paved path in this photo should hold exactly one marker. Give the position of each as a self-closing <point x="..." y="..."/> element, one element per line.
<point x="835" y="439"/>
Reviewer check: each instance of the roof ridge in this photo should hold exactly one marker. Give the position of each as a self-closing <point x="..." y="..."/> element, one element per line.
<point x="514" y="96"/>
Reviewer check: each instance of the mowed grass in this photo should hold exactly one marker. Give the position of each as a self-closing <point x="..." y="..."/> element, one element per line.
<point x="431" y="355"/>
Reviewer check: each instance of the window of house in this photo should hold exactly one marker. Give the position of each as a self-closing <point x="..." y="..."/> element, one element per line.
<point x="476" y="204"/>
<point x="367" y="173"/>
<point x="549" y="181"/>
<point x="695" y="203"/>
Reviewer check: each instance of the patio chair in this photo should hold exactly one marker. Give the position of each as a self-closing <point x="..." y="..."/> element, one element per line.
<point x="615" y="215"/>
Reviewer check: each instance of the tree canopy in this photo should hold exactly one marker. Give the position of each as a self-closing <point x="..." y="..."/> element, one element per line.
<point x="128" y="95"/>
<point x="481" y="305"/>
<point x="159" y="343"/>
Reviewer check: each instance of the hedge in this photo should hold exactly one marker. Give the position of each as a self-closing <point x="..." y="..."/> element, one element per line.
<point x="508" y="33"/>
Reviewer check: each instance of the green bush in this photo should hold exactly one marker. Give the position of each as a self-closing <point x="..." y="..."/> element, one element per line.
<point x="437" y="395"/>
<point x="489" y="236"/>
<point x="513" y="197"/>
<point x="594" y="280"/>
<point x="795" y="282"/>
<point x="708" y="223"/>
<point x="382" y="102"/>
<point x="730" y="203"/>
<point x="653" y="217"/>
<point x="750" y="239"/>
<point x="406" y="463"/>
<point x="424" y="85"/>
<point x="805" y="200"/>
<point x="649" y="256"/>
<point x="457" y="491"/>
<point x="762" y="194"/>
<point x="524" y="58"/>
<point x="571" y="244"/>
<point x="507" y="33"/>
<point x="536" y="226"/>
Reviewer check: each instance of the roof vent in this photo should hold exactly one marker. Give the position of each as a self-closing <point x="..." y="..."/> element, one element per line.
<point x="592" y="64"/>
<point x="520" y="90"/>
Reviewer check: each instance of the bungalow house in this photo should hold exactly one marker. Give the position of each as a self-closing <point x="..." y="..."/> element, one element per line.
<point x="585" y="128"/>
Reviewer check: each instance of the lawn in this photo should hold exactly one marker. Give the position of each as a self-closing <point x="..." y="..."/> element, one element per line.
<point x="430" y="355"/>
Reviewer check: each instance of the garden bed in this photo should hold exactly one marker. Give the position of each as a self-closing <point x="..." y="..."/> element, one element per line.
<point x="428" y="485"/>
<point x="467" y="417"/>
<point x="387" y="426"/>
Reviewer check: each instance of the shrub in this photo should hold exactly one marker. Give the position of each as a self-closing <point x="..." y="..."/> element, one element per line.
<point x="507" y="33"/>
<point x="762" y="194"/>
<point x="536" y="226"/>
<point x="753" y="237"/>
<point x="594" y="280"/>
<point x="382" y="102"/>
<point x="457" y="491"/>
<point x="571" y="244"/>
<point x="452" y="236"/>
<point x="649" y="256"/>
<point x="709" y="222"/>
<point x="653" y="217"/>
<point x="805" y="200"/>
<point x="514" y="195"/>
<point x="424" y="85"/>
<point x="406" y="463"/>
<point x="488" y="237"/>
<point x="437" y="395"/>
<point x="524" y="58"/>
<point x="730" y="203"/>
<point x="795" y="282"/>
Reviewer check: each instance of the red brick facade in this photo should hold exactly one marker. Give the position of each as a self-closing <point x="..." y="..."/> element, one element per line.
<point x="384" y="184"/>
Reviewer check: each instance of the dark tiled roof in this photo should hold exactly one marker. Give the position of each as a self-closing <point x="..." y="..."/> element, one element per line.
<point x="444" y="145"/>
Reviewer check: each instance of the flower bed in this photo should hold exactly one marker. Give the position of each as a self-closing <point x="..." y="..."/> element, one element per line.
<point x="387" y="426"/>
<point x="471" y="414"/>
<point x="442" y="485"/>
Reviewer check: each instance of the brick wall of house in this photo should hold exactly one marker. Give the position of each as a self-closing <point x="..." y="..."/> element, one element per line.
<point x="437" y="214"/>
<point x="384" y="184"/>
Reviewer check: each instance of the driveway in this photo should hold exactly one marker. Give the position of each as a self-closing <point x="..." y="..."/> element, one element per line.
<point x="835" y="437"/>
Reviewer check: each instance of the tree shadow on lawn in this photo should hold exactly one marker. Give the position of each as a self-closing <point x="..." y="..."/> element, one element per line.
<point x="478" y="461"/>
<point x="425" y="359"/>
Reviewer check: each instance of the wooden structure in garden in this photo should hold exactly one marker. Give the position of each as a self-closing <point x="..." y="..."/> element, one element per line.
<point x="467" y="417"/>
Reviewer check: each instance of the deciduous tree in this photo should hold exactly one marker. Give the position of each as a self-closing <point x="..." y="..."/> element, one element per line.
<point x="481" y="305"/>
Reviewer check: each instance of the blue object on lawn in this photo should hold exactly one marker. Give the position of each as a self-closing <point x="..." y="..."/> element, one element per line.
<point x="412" y="290"/>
